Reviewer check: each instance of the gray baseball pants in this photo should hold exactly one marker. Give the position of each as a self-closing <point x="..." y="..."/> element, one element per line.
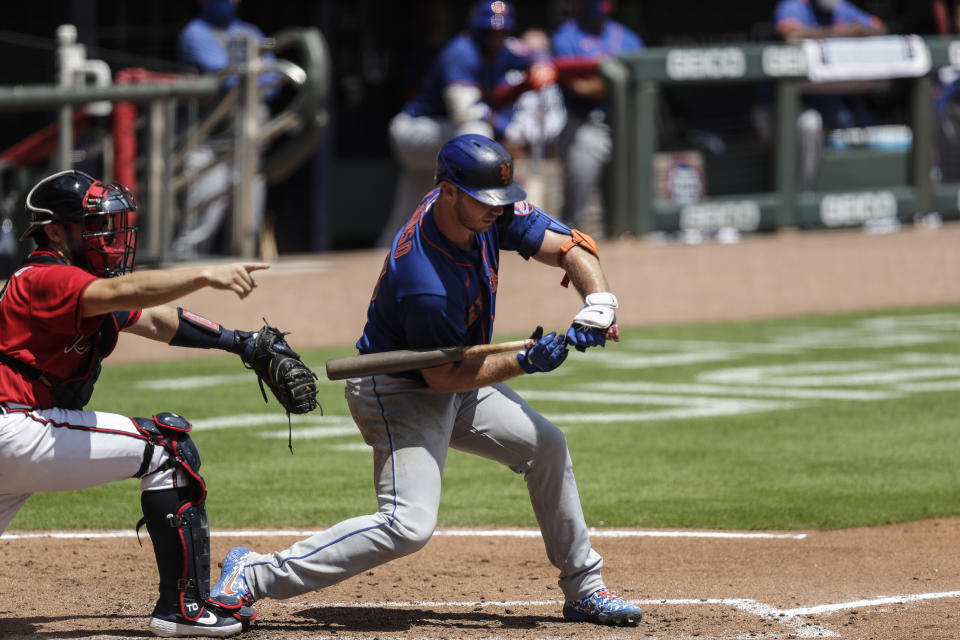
<point x="410" y="428"/>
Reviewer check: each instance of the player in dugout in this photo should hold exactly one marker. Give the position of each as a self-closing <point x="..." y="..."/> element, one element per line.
<point x="797" y="20"/>
<point x="467" y="89"/>
<point x="438" y="287"/>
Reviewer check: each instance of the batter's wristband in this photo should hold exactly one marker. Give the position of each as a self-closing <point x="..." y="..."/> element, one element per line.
<point x="197" y="332"/>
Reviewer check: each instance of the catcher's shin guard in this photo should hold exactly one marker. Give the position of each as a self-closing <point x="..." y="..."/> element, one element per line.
<point x="181" y="542"/>
<point x="176" y="519"/>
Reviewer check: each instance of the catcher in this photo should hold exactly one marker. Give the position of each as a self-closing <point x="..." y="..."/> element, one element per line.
<point x="60" y="316"/>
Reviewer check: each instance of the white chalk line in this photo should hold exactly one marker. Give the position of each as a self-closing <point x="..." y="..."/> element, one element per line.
<point x="467" y="533"/>
<point x="879" y="601"/>
<point x="794" y="619"/>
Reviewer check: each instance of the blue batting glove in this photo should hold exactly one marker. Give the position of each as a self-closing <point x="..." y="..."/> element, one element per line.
<point x="581" y="337"/>
<point x="546" y="354"/>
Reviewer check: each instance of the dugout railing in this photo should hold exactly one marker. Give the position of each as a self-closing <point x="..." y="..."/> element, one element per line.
<point x="160" y="134"/>
<point x="635" y="84"/>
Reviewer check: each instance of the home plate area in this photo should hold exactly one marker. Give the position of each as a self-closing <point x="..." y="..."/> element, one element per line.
<point x="885" y="583"/>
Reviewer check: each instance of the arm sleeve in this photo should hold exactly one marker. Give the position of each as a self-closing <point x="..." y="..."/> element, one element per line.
<point x="525" y="232"/>
<point x="126" y="318"/>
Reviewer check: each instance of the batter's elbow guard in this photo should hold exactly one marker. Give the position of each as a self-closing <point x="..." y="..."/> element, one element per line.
<point x="577" y="239"/>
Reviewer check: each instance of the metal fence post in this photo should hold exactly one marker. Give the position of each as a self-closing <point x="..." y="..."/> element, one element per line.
<point x="644" y="142"/>
<point x="617" y="218"/>
<point x="157" y="169"/>
<point x="785" y="144"/>
<point x="67" y="58"/>
<point x="168" y="217"/>
<point x="921" y="113"/>
<point x="245" y="230"/>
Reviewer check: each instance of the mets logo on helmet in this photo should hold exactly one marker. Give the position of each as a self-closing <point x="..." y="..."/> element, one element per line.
<point x="506" y="172"/>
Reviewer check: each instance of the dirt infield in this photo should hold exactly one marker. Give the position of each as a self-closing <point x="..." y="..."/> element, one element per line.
<point x="886" y="583"/>
<point x="889" y="583"/>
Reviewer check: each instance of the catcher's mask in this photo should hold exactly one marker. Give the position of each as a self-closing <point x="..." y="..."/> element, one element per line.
<point x="483" y="169"/>
<point x="102" y="211"/>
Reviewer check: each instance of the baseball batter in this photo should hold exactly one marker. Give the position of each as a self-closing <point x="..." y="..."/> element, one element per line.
<point x="438" y="287"/>
<point x="60" y="316"/>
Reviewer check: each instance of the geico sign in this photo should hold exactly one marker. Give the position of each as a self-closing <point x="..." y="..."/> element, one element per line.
<point x="953" y="54"/>
<point x="849" y="209"/>
<point x="784" y="61"/>
<point x="710" y="216"/>
<point x="692" y="64"/>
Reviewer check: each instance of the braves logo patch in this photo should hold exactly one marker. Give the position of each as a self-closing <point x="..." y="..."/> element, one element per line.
<point x="79" y="344"/>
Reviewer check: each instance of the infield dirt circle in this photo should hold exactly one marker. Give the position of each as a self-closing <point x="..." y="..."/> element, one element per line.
<point x="900" y="581"/>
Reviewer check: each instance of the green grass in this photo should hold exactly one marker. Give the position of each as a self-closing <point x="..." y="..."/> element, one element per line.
<point x="817" y="463"/>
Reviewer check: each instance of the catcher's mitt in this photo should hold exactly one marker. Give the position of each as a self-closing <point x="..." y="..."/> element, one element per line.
<point x="274" y="362"/>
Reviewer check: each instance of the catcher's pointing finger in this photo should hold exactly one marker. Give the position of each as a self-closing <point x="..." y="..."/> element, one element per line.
<point x="236" y="277"/>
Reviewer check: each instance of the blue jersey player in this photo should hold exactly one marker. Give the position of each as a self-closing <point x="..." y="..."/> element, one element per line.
<point x="477" y="74"/>
<point x="438" y="287"/>
<point x="579" y="46"/>
<point x="798" y="20"/>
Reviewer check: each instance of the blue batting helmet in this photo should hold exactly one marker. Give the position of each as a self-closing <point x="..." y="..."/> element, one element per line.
<point x="488" y="15"/>
<point x="480" y="167"/>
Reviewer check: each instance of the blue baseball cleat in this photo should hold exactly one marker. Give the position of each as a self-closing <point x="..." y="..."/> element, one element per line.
<point x="233" y="583"/>
<point x="603" y="607"/>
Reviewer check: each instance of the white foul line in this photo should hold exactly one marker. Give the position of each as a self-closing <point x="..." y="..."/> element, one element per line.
<point x="791" y="618"/>
<point x="469" y="533"/>
<point x="870" y="602"/>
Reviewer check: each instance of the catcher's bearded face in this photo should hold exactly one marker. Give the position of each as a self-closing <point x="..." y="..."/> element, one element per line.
<point x="71" y="247"/>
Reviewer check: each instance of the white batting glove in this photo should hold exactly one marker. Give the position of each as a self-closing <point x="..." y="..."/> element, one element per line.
<point x="589" y="326"/>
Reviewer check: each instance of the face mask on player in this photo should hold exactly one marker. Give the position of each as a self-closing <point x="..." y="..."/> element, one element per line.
<point x="109" y="237"/>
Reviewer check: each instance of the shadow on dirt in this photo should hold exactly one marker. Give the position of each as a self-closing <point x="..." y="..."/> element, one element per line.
<point x="376" y="619"/>
<point x="30" y="628"/>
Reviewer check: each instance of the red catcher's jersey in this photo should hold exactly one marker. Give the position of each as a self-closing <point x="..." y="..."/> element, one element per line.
<point x="40" y="325"/>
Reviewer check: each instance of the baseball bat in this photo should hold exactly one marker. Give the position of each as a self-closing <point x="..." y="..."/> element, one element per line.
<point x="368" y="364"/>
